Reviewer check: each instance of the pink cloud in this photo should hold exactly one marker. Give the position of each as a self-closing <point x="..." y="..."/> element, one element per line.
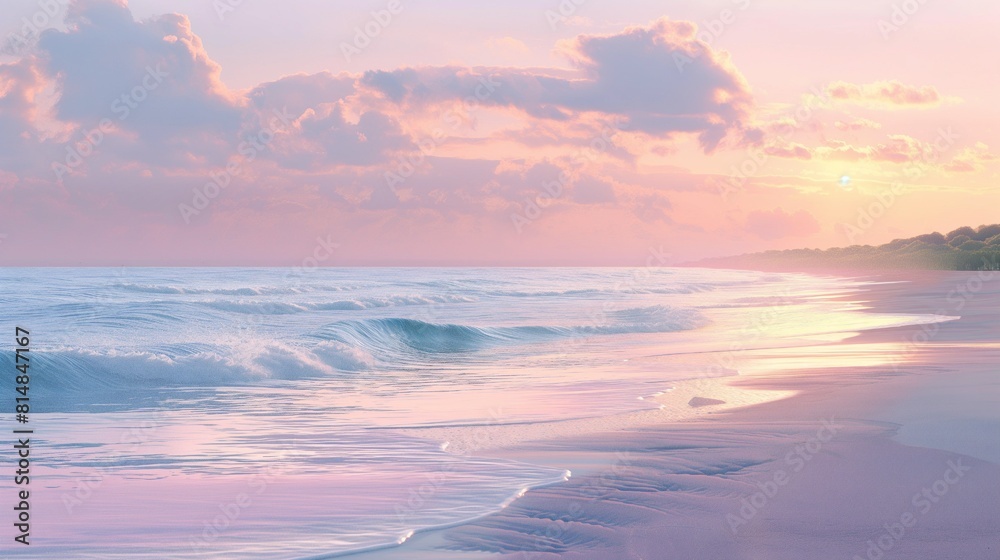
<point x="659" y="78"/>
<point x="109" y="65"/>
<point x="20" y="83"/>
<point x="857" y="124"/>
<point x="899" y="148"/>
<point x="887" y="94"/>
<point x="971" y="159"/>
<point x="791" y="150"/>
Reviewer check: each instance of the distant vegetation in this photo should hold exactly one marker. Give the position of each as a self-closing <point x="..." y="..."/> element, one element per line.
<point x="963" y="249"/>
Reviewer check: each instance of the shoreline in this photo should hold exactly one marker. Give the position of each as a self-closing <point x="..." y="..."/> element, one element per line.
<point x="639" y="481"/>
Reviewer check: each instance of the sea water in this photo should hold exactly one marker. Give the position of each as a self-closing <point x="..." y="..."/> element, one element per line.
<point x="270" y="413"/>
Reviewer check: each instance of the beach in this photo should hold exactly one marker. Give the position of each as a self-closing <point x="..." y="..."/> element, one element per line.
<point x="515" y="413"/>
<point x="884" y="445"/>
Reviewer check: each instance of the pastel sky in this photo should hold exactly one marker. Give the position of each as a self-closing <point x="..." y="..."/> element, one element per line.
<point x="551" y="132"/>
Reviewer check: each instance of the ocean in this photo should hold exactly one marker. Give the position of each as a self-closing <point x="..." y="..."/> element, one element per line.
<point x="275" y="413"/>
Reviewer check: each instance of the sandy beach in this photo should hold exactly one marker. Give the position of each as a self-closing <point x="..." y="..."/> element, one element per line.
<point x="885" y="445"/>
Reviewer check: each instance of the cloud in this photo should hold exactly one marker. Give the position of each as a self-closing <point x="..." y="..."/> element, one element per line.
<point x="886" y="94"/>
<point x="791" y="150"/>
<point x="105" y="58"/>
<point x="19" y="85"/>
<point x="169" y="109"/>
<point x="453" y="185"/>
<point x="166" y="106"/>
<point x="777" y="224"/>
<point x="299" y="92"/>
<point x="857" y="124"/>
<point x="325" y="137"/>
<point x="508" y="44"/>
<point x="151" y="81"/>
<point x="659" y="78"/>
<point x="899" y="148"/>
<point x="516" y="180"/>
<point x="590" y="190"/>
<point x="971" y="159"/>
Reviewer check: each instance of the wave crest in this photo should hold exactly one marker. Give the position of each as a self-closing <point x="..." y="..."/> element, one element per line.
<point x="376" y="335"/>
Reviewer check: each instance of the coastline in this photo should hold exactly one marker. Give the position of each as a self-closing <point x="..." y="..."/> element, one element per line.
<point x="837" y="465"/>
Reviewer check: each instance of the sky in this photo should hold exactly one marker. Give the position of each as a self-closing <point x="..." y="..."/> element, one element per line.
<point x="448" y="133"/>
